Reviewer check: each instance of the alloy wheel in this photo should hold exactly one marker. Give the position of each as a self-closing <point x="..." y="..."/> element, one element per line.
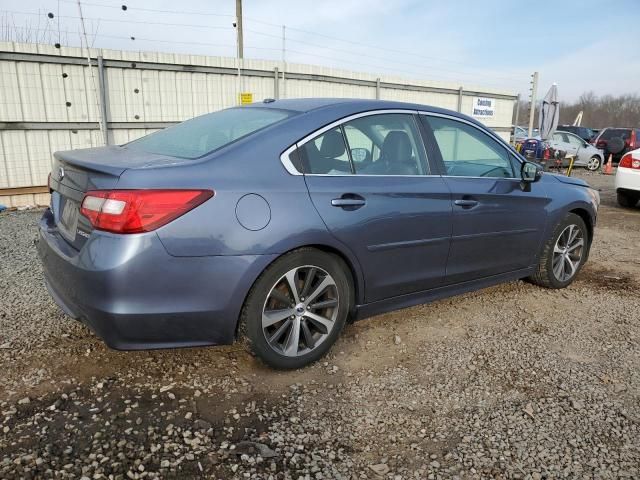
<point x="593" y="163"/>
<point x="300" y="311"/>
<point x="567" y="253"/>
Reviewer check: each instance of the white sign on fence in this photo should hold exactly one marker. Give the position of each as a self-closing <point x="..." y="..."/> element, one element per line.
<point x="483" y="107"/>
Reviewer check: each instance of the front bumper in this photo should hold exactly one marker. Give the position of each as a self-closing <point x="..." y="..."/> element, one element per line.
<point x="134" y="295"/>
<point x="627" y="179"/>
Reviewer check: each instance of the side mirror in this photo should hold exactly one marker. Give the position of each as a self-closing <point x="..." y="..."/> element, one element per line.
<point x="359" y="154"/>
<point x="530" y="172"/>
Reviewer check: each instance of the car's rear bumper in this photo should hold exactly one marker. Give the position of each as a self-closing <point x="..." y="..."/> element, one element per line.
<point x="134" y="295"/>
<point x="628" y="179"/>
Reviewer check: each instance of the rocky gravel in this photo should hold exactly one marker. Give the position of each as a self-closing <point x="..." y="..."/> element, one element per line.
<point x="512" y="381"/>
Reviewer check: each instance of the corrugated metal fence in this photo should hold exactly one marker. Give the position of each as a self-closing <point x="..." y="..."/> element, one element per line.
<point x="51" y="100"/>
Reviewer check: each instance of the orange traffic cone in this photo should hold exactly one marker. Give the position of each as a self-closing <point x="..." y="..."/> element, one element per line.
<point x="608" y="167"/>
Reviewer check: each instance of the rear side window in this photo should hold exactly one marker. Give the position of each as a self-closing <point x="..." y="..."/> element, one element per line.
<point x="468" y="152"/>
<point x="559" y="137"/>
<point x="327" y="154"/>
<point x="575" y="140"/>
<point x="201" y="135"/>
<point x="610" y="133"/>
<point x="377" y="144"/>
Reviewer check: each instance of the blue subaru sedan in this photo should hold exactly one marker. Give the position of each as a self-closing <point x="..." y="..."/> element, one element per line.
<point x="279" y="222"/>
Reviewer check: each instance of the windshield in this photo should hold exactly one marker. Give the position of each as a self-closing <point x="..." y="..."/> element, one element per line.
<point x="201" y="135"/>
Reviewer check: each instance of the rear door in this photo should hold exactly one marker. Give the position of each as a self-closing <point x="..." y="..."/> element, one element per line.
<point x="560" y="141"/>
<point x="581" y="153"/>
<point x="370" y="180"/>
<point x="497" y="225"/>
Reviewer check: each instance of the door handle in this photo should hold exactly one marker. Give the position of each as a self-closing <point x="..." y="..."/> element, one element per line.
<point x="347" y="202"/>
<point x="466" y="203"/>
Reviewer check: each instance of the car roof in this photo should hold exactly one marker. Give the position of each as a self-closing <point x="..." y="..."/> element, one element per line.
<point x="354" y="105"/>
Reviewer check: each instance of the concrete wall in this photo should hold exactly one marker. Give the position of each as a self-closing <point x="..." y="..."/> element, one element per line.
<point x="50" y="100"/>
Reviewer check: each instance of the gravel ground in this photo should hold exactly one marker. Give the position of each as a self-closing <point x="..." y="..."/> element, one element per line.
<point x="512" y="381"/>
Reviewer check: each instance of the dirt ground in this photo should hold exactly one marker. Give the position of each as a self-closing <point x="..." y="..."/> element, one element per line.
<point x="513" y="381"/>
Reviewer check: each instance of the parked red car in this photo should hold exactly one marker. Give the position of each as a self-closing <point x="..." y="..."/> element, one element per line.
<point x="617" y="141"/>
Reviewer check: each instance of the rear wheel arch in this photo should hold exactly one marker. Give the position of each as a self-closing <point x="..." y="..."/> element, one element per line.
<point x="350" y="270"/>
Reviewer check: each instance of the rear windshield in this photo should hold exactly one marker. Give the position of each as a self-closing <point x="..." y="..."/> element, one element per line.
<point x="610" y="133"/>
<point x="201" y="135"/>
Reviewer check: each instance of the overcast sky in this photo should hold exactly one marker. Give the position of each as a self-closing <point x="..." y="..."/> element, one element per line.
<point x="592" y="45"/>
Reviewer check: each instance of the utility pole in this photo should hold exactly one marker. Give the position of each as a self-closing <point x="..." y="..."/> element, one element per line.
<point x="532" y="105"/>
<point x="240" y="47"/>
<point x="284" y="62"/>
<point x="515" y="120"/>
<point x="239" y="28"/>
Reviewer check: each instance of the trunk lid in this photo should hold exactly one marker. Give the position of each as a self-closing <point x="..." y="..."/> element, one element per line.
<point x="75" y="172"/>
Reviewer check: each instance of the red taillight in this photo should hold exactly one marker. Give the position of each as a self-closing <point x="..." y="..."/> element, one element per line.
<point x="633" y="140"/>
<point x="547" y="153"/>
<point x="136" y="211"/>
<point x="627" y="161"/>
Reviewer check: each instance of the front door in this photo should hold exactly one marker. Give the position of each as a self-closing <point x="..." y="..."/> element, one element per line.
<point x="497" y="225"/>
<point x="370" y="181"/>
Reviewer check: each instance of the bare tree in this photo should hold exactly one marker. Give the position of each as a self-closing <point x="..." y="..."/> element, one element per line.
<point x="38" y="31"/>
<point x="597" y="112"/>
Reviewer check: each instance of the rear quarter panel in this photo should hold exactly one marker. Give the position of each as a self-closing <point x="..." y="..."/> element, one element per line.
<point x="250" y="166"/>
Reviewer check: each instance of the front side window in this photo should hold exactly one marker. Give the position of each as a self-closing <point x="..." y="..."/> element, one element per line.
<point x="468" y="152"/>
<point x="201" y="135"/>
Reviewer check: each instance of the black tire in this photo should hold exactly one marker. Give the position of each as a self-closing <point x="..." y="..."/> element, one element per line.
<point x="594" y="163"/>
<point x="251" y="326"/>
<point x="544" y="274"/>
<point x="627" y="200"/>
<point x="615" y="145"/>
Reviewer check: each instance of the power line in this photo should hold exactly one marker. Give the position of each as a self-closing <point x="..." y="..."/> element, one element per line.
<point x="137" y="22"/>
<point x="143" y="39"/>
<point x="369" y="46"/>
<point x="427" y="69"/>
<point x="178" y="12"/>
<point x="384" y="59"/>
<point x="377" y="67"/>
<point x="308" y="32"/>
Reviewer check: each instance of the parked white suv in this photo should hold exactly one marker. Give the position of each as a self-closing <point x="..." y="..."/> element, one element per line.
<point x="628" y="179"/>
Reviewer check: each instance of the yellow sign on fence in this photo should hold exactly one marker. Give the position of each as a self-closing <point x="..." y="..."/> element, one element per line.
<point x="246" y="98"/>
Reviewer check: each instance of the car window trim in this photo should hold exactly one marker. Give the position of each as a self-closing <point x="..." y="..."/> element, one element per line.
<point x="348" y="149"/>
<point x="576" y="136"/>
<point x="486" y="131"/>
<point x="291" y="169"/>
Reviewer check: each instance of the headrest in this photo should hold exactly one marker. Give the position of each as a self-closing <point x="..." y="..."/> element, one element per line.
<point x="397" y="146"/>
<point x="332" y="144"/>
